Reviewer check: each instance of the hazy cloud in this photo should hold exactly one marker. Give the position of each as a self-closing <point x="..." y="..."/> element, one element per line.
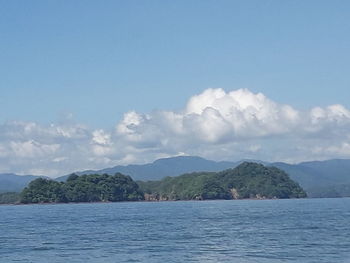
<point x="214" y="124"/>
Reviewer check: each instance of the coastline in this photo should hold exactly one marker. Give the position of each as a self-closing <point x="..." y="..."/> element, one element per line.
<point x="160" y="201"/>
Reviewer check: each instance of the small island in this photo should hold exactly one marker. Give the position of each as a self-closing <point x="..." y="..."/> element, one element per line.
<point x="84" y="188"/>
<point x="246" y="181"/>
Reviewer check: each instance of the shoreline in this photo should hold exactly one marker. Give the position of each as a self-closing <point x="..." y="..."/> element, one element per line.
<point x="163" y="201"/>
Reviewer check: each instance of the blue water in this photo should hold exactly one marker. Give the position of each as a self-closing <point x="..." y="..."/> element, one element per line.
<point x="308" y="230"/>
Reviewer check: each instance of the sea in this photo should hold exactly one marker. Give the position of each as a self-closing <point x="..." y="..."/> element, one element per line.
<point x="294" y="230"/>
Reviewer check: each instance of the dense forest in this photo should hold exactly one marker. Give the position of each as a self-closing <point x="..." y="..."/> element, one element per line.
<point x="248" y="180"/>
<point x="85" y="188"/>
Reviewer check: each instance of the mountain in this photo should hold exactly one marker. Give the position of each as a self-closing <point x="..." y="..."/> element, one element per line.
<point x="14" y="183"/>
<point x="330" y="178"/>
<point x="163" y="167"/>
<point x="336" y="170"/>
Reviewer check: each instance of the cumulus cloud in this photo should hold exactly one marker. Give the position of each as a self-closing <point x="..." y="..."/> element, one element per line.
<point x="215" y="124"/>
<point x="215" y="116"/>
<point x="240" y="124"/>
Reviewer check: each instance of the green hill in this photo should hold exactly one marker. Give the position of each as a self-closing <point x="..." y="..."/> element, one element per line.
<point x="85" y="188"/>
<point x="248" y="180"/>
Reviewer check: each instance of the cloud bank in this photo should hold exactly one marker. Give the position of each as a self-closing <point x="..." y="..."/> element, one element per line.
<point x="215" y="124"/>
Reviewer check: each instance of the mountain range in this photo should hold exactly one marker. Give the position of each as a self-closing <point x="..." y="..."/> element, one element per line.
<point x="14" y="183"/>
<point x="330" y="178"/>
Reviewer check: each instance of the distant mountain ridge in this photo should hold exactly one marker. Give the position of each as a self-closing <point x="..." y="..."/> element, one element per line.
<point x="164" y="167"/>
<point x="14" y="183"/>
<point x="328" y="178"/>
<point x="318" y="178"/>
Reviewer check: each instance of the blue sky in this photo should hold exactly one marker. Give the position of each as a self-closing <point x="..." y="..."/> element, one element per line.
<point x="100" y="60"/>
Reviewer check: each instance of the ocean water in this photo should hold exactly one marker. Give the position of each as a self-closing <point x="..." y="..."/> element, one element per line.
<point x="305" y="230"/>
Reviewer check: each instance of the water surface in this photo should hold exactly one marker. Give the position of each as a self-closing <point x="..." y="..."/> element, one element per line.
<point x="305" y="230"/>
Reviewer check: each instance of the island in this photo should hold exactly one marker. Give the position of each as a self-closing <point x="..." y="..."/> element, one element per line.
<point x="84" y="188"/>
<point x="246" y="181"/>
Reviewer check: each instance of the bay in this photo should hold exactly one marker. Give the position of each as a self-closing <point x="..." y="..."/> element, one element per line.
<point x="298" y="230"/>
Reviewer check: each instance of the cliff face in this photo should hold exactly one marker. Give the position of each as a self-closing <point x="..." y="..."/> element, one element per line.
<point x="156" y="197"/>
<point x="234" y="193"/>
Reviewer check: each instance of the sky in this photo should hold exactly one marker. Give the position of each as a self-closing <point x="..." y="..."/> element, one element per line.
<point x="93" y="84"/>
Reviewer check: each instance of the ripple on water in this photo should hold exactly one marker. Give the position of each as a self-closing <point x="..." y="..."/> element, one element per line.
<point x="310" y="230"/>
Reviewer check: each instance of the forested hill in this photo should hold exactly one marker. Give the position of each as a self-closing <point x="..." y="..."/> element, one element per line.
<point x="248" y="180"/>
<point x="85" y="188"/>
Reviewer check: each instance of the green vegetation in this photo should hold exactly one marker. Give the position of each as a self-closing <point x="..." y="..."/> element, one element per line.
<point x="85" y="188"/>
<point x="9" y="198"/>
<point x="248" y="180"/>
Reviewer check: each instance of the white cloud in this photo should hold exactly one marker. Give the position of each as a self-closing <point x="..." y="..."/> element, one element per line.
<point x="32" y="149"/>
<point x="215" y="124"/>
<point x="101" y="137"/>
<point x="59" y="159"/>
<point x="238" y="124"/>
<point x="214" y="117"/>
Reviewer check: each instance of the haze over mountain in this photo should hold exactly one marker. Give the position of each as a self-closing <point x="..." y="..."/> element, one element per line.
<point x="163" y="167"/>
<point x="330" y="178"/>
<point x="14" y="183"/>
